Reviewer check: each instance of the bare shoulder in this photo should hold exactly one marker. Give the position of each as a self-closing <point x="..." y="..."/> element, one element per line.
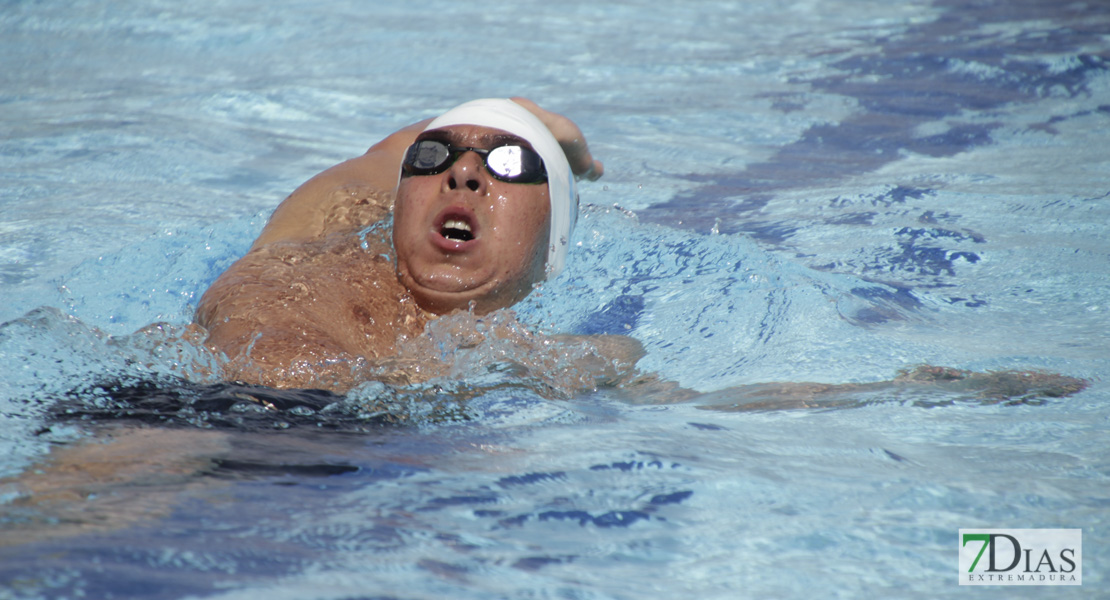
<point x="351" y="195"/>
<point x="341" y="198"/>
<point x="300" y="314"/>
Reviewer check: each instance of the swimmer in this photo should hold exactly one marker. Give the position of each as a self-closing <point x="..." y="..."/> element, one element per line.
<point x="483" y="201"/>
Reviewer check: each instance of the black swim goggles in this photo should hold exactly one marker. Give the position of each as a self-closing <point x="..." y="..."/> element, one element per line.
<point x="511" y="163"/>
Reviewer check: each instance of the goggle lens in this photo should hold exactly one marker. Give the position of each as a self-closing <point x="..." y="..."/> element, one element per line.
<point x="511" y="163"/>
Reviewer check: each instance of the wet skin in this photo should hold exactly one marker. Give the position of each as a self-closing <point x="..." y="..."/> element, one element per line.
<point x="312" y="298"/>
<point x="317" y="300"/>
<point x="464" y="237"/>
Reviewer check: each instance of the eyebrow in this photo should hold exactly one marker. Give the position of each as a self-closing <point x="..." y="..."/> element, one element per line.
<point x="487" y="140"/>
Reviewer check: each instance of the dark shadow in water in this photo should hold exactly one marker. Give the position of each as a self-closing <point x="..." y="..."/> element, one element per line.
<point x="618" y="317"/>
<point x="227" y="405"/>
<point x="907" y="81"/>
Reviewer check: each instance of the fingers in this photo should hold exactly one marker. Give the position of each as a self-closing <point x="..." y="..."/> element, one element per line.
<point x="595" y="171"/>
<point x="570" y="138"/>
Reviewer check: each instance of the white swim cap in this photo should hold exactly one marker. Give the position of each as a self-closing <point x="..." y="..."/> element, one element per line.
<point x="506" y="115"/>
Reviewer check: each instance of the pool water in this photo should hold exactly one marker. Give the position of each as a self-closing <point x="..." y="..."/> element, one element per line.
<point x="805" y="191"/>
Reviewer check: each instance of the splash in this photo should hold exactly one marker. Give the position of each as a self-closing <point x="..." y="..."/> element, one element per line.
<point x="63" y="371"/>
<point x="50" y="356"/>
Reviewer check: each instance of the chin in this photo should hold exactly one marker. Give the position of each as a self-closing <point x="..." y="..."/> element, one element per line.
<point x="481" y="298"/>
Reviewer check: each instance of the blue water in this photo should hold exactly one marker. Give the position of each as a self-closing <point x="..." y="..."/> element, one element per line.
<point x="807" y="191"/>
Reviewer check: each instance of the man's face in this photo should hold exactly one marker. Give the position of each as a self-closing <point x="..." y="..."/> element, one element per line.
<point x="462" y="236"/>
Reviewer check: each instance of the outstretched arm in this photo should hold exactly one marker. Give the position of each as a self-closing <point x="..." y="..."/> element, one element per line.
<point x="924" y="386"/>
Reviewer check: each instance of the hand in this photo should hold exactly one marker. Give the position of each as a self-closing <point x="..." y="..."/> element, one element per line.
<point x="570" y="137"/>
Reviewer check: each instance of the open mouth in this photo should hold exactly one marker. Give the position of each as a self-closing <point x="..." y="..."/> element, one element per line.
<point x="456" y="230"/>
<point x="455" y="227"/>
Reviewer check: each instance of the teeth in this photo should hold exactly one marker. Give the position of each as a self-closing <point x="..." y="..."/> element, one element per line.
<point x="456" y="224"/>
<point x="454" y="229"/>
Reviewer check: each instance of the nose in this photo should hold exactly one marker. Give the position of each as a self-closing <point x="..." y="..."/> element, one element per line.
<point x="466" y="173"/>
